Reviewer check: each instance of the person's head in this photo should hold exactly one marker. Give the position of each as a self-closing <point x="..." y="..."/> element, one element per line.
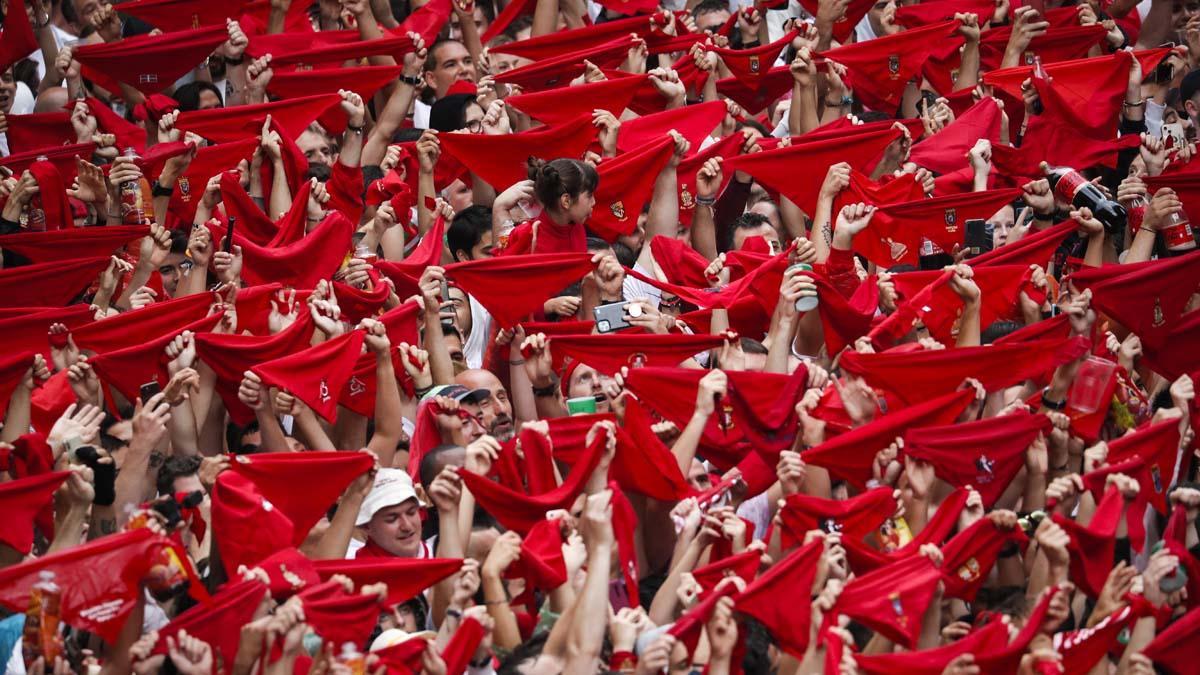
<point x="391" y="514"/>
<point x="875" y="15"/>
<point x="753" y="225"/>
<point x="456" y="113"/>
<point x="583" y="380"/>
<point x="1189" y="96"/>
<point x="469" y="401"/>
<point x="470" y="234"/>
<point x="756" y="354"/>
<point x="199" y="95"/>
<point x="179" y="474"/>
<point x="698" y="476"/>
<point x="767" y="209"/>
<point x="496" y="410"/>
<point x="502" y="63"/>
<point x="458" y="195"/>
<point x="1000" y="223"/>
<point x="710" y="15"/>
<point x="433" y="461"/>
<point x="478" y="17"/>
<point x="636" y="239"/>
<point x="565" y="188"/>
<point x="454" y="341"/>
<point x="171" y="269"/>
<point x="448" y="62"/>
<point x="316" y="146"/>
<point x="459" y="310"/>
<point x="1182" y="11"/>
<point x="8" y="90"/>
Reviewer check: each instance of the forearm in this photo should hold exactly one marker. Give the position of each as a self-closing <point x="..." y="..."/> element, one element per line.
<point x="545" y="18"/>
<point x="309" y="429"/>
<point x="440" y="365"/>
<point x="685" y="446"/>
<point x="141" y="274"/>
<point x="505" y="634"/>
<point x="704" y="231"/>
<point x="779" y="339"/>
<point x="336" y="540"/>
<point x="450" y="545"/>
<point x="586" y="636"/>
<point x="382" y="11"/>
<point x="1094" y="256"/>
<point x="17" y="417"/>
<point x="523" y="400"/>
<point x="135" y="481"/>
<point x="388" y="425"/>
<point x="387" y="122"/>
<point x="969" y="330"/>
<point x="1142" y="246"/>
<point x="235" y="73"/>
<point x="663" y="217"/>
<point x="69" y="530"/>
<point x="276" y="18"/>
<point x="352" y="148"/>
<point x="968" y="70"/>
<point x="182" y="426"/>
<point x="426" y="191"/>
<point x="822" y="228"/>
<point x="281" y="192"/>
<point x="802" y="115"/>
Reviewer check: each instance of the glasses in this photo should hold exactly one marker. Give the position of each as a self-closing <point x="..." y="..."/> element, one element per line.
<point x="474" y="126"/>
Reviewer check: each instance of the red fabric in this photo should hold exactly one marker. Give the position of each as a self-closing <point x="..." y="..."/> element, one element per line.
<point x="73" y="243"/>
<point x="26" y="332"/>
<point x="140" y="325"/>
<point x="917" y="376"/>
<point x="53" y="196"/>
<point x="12" y="370"/>
<point x="252" y="223"/>
<point x="300" y="264"/>
<point x="680" y="263"/>
<point x="764" y="405"/>
<point x="891" y="600"/>
<point x="359" y="393"/>
<point x="405" y="578"/>
<point x="671" y="392"/>
<point x="947" y="150"/>
<point x="179" y="15"/>
<point x="93" y="602"/>
<point x="39" y="130"/>
<point x="520" y="512"/>
<point x="21" y="501"/>
<point x="751" y="65"/>
<point x="854" y="518"/>
<point x="208" y="162"/>
<point x="1148" y="455"/>
<point x="688" y="626"/>
<point x="1032" y="249"/>
<point x="462" y="646"/>
<point x="220" y="622"/>
<point x="912" y="16"/>
<point x="693" y="122"/>
<point x="128" y="134"/>
<point x="1124" y="292"/>
<point x="500" y="160"/>
<point x="223" y="125"/>
<point x="149" y="63"/>
<point x="405" y="273"/>
<point x="933" y="661"/>
<point x="62" y="157"/>
<point x="559" y="70"/>
<point x="1082" y="649"/>
<point x="985" y="455"/>
<point x="17" y="40"/>
<point x="685" y="177"/>
<point x="791" y="577"/>
<point x="881" y="68"/>
<point x="316" y="375"/>
<point x="562" y="105"/>
<point x="777" y="168"/>
<point x="850" y="455"/>
<point x="363" y="80"/>
<point x="844" y="27"/>
<point x="608" y="353"/>
<point x="302" y="485"/>
<point x="343" y="617"/>
<point x="626" y="185"/>
<point x="1174" y="649"/>
<point x="900" y="228"/>
<point x="566" y="41"/>
<point x="127" y="369"/>
<point x="970" y="555"/>
<point x="1092" y="545"/>
<point x="511" y="288"/>
<point x="52" y="284"/>
<point x="331" y="56"/>
<point x="541" y="563"/>
<point x="247" y="527"/>
<point x="772" y="86"/>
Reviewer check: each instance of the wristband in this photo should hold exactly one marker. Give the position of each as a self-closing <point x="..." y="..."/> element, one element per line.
<point x="705" y="201"/>
<point x="234" y="62"/>
<point x="354" y="129"/>
<point x="623" y="661"/>
<point x="410" y="81"/>
<point x="160" y="191"/>
<point x="1051" y="404"/>
<point x="549" y="390"/>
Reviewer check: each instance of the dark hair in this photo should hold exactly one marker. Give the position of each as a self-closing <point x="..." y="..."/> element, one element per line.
<point x="432" y="463"/>
<point x="431" y="58"/>
<point x="709" y="7"/>
<point x="526" y="651"/>
<point x="625" y="255"/>
<point x="449" y="113"/>
<point x="467" y="229"/>
<point x="997" y="330"/>
<point x="1189" y="86"/>
<point x="179" y="241"/>
<point x="321" y="172"/>
<point x="751" y="123"/>
<point x="175" y="467"/>
<point x="234" y="435"/>
<point x="188" y="95"/>
<point x="559" y="177"/>
<point x="597" y="244"/>
<point x="519" y="24"/>
<point x="752" y="346"/>
<point x="746" y="221"/>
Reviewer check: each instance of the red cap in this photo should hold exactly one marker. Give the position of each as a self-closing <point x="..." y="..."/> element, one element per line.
<point x="148" y="63"/>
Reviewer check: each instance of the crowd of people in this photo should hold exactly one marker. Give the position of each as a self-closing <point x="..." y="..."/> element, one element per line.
<point x="577" y="336"/>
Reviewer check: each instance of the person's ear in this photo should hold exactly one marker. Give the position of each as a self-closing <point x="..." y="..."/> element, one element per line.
<point x="428" y="76"/>
<point x="1189" y="107"/>
<point x="564" y="201"/>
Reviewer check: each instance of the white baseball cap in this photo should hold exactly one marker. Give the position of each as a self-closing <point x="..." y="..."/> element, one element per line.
<point x="392" y="487"/>
<point x="395" y="636"/>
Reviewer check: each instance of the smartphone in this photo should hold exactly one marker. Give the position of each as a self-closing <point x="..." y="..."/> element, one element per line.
<point x="228" y="237"/>
<point x="148" y="390"/>
<point x="978" y="239"/>
<point x="611" y="317"/>
<point x="928" y="100"/>
<point x="445" y="291"/>
<point x="1174" y="132"/>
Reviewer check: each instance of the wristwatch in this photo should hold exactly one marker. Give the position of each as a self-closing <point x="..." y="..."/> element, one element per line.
<point x="1051" y="404"/>
<point x="411" y="81"/>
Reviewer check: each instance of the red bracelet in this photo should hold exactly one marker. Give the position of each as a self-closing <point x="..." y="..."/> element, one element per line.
<point x="622" y="661"/>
